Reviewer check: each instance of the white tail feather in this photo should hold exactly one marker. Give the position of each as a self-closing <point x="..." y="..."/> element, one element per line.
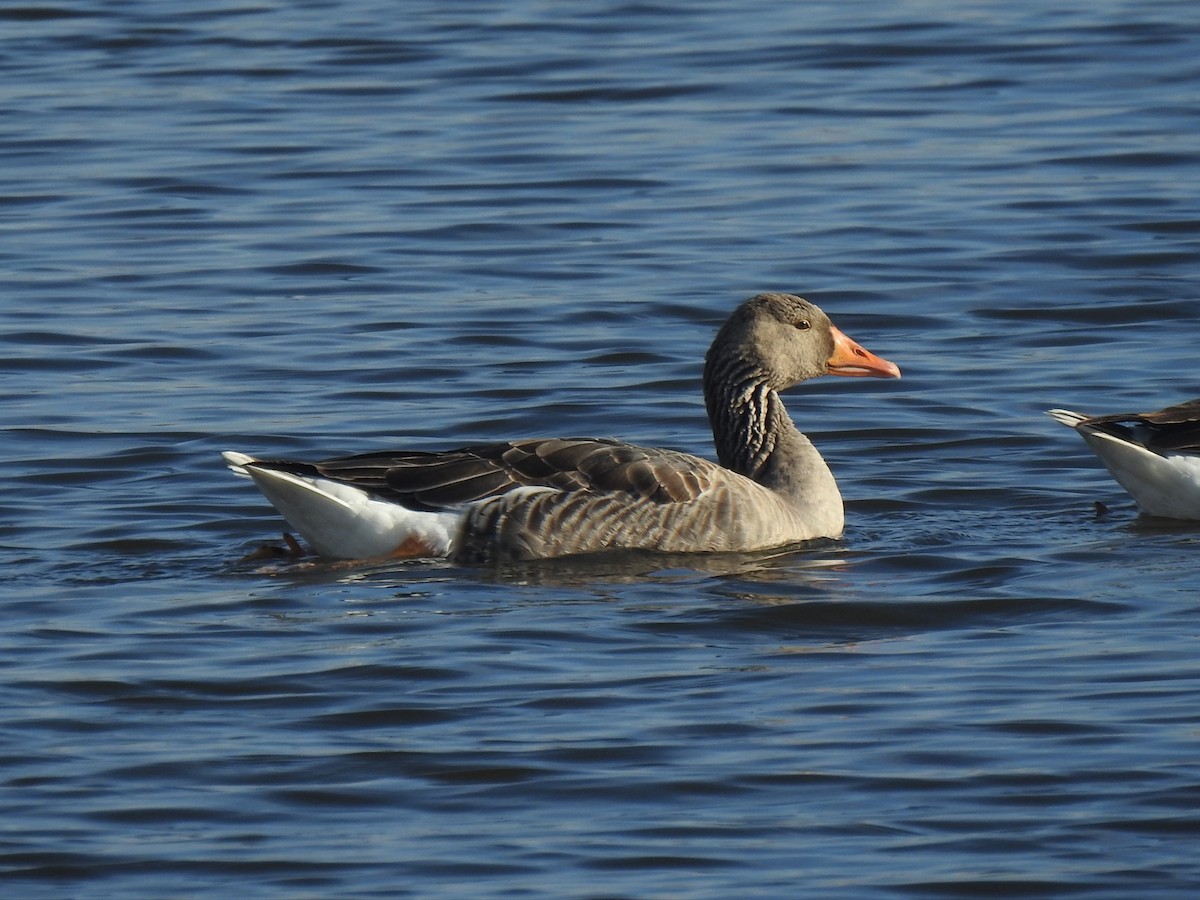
<point x="341" y="521"/>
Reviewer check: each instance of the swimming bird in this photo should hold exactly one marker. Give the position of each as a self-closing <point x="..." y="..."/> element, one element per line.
<point x="1155" y="456"/>
<point x="551" y="497"/>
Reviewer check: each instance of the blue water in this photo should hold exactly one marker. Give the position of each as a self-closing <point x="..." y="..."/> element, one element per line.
<point x="313" y="228"/>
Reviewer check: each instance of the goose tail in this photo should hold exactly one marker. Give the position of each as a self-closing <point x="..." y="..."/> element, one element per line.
<point x="345" y="522"/>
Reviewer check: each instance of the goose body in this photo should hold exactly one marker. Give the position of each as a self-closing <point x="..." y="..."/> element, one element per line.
<point x="551" y="497"/>
<point x="1155" y="456"/>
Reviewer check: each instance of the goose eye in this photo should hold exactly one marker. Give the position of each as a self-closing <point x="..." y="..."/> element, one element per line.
<point x="803" y="325"/>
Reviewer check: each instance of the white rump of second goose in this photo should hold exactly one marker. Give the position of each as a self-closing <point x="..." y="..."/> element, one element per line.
<point x="552" y="497"/>
<point x="1154" y="455"/>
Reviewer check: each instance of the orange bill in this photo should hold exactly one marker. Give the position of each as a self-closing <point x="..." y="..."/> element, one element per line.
<point x="851" y="359"/>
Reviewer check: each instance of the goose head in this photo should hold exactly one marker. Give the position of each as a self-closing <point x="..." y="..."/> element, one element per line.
<point x="786" y="339"/>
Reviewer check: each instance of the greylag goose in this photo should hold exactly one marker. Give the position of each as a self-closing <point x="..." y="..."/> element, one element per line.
<point x="551" y="497"/>
<point x="1155" y="456"/>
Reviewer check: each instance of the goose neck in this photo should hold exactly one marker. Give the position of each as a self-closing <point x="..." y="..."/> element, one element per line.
<point x="748" y="420"/>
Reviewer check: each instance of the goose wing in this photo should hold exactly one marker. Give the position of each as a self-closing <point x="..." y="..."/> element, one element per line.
<point x="1174" y="428"/>
<point x="447" y="479"/>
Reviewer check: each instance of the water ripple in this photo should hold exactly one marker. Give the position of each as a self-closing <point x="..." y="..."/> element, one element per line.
<point x="268" y="228"/>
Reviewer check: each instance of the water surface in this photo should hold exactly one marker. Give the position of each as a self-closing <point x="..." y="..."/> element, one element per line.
<point x="307" y="229"/>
